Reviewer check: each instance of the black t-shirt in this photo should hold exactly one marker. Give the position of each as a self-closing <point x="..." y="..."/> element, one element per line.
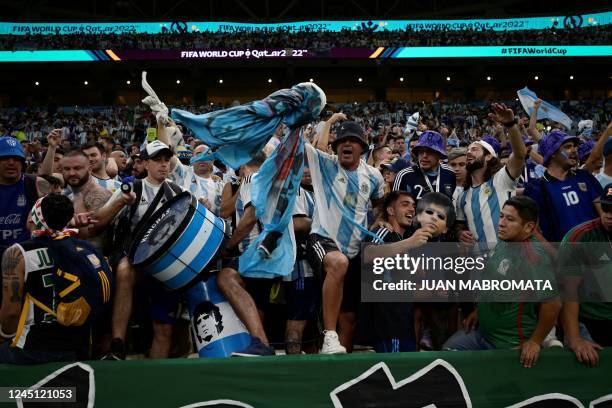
<point x="389" y="320"/>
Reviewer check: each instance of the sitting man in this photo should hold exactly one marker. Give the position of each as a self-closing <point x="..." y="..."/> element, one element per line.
<point x="54" y="286"/>
<point x="504" y="325"/>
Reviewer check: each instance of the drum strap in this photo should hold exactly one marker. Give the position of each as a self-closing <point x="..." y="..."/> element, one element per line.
<point x="164" y="190"/>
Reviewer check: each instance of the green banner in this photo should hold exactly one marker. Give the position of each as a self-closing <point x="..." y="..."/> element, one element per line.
<point x="429" y="379"/>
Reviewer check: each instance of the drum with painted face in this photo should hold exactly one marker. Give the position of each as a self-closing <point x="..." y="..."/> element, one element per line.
<point x="181" y="241"/>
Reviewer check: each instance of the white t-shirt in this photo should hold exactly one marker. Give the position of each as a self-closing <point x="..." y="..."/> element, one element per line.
<point x="148" y="195"/>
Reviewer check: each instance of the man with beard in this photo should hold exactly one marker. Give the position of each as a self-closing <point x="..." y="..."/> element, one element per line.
<point x="488" y="184"/>
<point x="86" y="195"/>
<point x="578" y="261"/>
<point x="565" y="197"/>
<point x="343" y="186"/>
<point x="429" y="175"/>
<point x="97" y="164"/>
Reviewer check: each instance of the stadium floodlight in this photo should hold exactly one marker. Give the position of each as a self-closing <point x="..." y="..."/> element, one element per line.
<point x="311" y="80"/>
<point x="178" y="81"/>
<point x="401" y="79"/>
<point x="488" y="78"/>
<point x="360" y="79"/>
<point x="85" y="83"/>
<point x="448" y="78"/>
<point x="220" y="80"/>
<point x="36" y="83"/>
<point x="128" y="82"/>
<point x="269" y="80"/>
<point x="571" y="77"/>
<point x="536" y="77"/>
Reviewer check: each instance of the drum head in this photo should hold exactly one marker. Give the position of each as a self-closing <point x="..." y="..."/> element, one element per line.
<point x="166" y="224"/>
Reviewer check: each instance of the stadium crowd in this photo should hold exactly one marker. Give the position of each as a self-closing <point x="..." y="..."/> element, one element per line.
<point x="403" y="174"/>
<point x="313" y="40"/>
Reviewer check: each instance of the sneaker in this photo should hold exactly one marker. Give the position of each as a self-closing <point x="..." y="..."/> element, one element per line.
<point x="551" y="339"/>
<point x="255" y="349"/>
<point x="331" y="344"/>
<point x="117" y="351"/>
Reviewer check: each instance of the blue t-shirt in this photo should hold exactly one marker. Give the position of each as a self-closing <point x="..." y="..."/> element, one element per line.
<point x="14" y="209"/>
<point x="412" y="180"/>
<point x="532" y="171"/>
<point x="563" y="204"/>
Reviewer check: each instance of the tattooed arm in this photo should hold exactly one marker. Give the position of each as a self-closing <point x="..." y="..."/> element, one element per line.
<point x="93" y="200"/>
<point x="13" y="270"/>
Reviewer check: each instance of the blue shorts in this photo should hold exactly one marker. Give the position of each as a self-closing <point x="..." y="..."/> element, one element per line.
<point x="301" y="298"/>
<point x="165" y="304"/>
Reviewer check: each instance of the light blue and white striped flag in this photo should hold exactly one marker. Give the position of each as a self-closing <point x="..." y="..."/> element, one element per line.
<point x="546" y="111"/>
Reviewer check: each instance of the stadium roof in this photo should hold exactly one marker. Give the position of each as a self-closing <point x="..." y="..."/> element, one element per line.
<point x="269" y="10"/>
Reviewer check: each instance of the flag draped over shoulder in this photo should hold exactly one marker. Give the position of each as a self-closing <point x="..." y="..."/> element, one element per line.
<point x="546" y="110"/>
<point x="237" y="134"/>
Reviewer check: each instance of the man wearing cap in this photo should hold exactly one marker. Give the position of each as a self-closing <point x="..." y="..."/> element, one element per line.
<point x="586" y="252"/>
<point x="155" y="188"/>
<point x="565" y="197"/>
<point x="428" y="175"/>
<point x="488" y="183"/>
<point x="18" y="191"/>
<point x="343" y="186"/>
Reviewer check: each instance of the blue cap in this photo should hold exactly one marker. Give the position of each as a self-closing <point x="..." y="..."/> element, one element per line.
<point x="397" y="166"/>
<point x="10" y="147"/>
<point x="552" y="142"/>
<point x="608" y="147"/>
<point x="493" y="142"/>
<point x="432" y="140"/>
<point x="452" y="142"/>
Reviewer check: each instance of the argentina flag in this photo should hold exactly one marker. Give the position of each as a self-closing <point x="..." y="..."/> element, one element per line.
<point x="546" y="111"/>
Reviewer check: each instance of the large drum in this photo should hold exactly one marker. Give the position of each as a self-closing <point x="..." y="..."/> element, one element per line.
<point x="180" y="242"/>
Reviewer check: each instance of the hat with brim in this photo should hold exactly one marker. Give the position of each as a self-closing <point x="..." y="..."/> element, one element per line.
<point x="433" y="141"/>
<point x="350" y="130"/>
<point x="552" y="142"/>
<point x="155" y="149"/>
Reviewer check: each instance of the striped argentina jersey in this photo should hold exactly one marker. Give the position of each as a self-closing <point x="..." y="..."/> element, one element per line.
<point x="412" y="180"/>
<point x="480" y="206"/>
<point x="200" y="187"/>
<point x="342" y="199"/>
<point x="243" y="201"/>
<point x="111" y="184"/>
